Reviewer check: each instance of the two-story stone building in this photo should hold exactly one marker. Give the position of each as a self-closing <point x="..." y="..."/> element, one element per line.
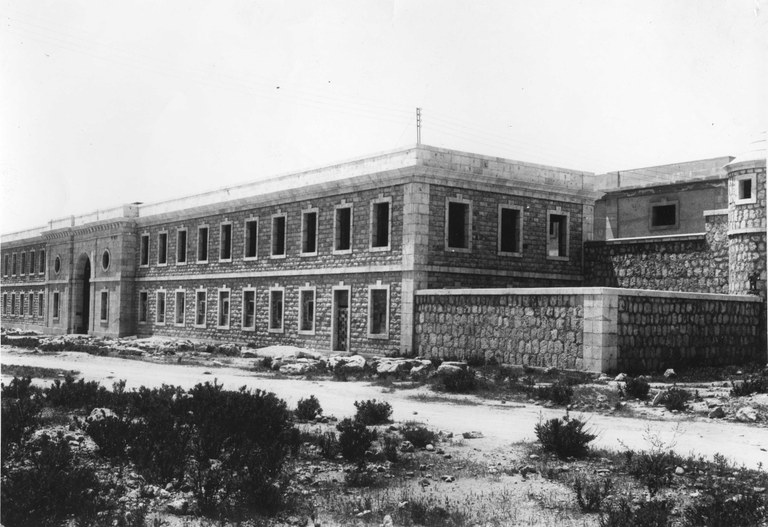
<point x="328" y="258"/>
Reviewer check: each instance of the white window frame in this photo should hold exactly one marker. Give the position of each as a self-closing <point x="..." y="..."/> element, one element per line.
<point x="186" y="245"/>
<point x="160" y="235"/>
<point x="385" y="334"/>
<point x="381" y="248"/>
<point x="738" y="182"/>
<point x="231" y="240"/>
<point x="336" y="226"/>
<point x="41" y="264"/>
<point x="176" y="293"/>
<point x="102" y="310"/>
<point x="31" y="262"/>
<point x="31" y="302"/>
<point x="302" y="290"/>
<point x="244" y="310"/>
<point x="467" y="226"/>
<point x="207" y="244"/>
<point x="281" y="329"/>
<point x="22" y="297"/>
<point x="334" y="330"/>
<point x="144" y="235"/>
<point x="245" y="238"/>
<point x="204" y="291"/>
<point x="23" y="263"/>
<point x="146" y="313"/>
<point x="664" y="203"/>
<point x="520" y="231"/>
<point x="14" y="262"/>
<point x="157" y="307"/>
<point x="272" y="254"/>
<point x="219" y="292"/>
<point x="316" y="212"/>
<point x="40" y="304"/>
<point x="567" y="255"/>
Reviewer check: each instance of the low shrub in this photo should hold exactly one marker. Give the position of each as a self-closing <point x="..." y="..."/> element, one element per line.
<point x="112" y="435"/>
<point x="83" y="347"/>
<point x="637" y="387"/>
<point x="718" y="508"/>
<point x="429" y="514"/>
<point x="77" y="394"/>
<point x="21" y="406"/>
<point x="560" y="393"/>
<point x="564" y="437"/>
<point x="360" y="478"/>
<point x="591" y="493"/>
<point x="752" y="384"/>
<point x="654" y="513"/>
<point x="373" y="412"/>
<point x="460" y="381"/>
<point x="390" y="445"/>
<point x="308" y="409"/>
<point x="329" y="445"/>
<point x="419" y="435"/>
<point x="653" y="469"/>
<point x="354" y="439"/>
<point x="49" y="487"/>
<point x="675" y="398"/>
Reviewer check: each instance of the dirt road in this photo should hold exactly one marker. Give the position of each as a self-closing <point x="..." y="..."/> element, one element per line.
<point x="500" y="424"/>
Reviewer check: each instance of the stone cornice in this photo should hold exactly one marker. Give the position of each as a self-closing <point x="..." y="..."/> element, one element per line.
<point x="118" y="226"/>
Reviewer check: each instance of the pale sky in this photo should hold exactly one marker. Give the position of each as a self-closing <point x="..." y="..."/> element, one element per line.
<point x="105" y="102"/>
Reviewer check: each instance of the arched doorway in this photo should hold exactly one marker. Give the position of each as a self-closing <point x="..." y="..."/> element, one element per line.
<point x="82" y="296"/>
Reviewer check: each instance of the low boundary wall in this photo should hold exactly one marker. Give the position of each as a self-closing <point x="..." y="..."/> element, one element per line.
<point x="593" y="328"/>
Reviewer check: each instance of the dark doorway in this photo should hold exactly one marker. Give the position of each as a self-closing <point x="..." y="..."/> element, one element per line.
<point x="340" y="330"/>
<point x="84" y="309"/>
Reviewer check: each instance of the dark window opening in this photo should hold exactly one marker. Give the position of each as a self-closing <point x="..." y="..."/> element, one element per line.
<point x="225" y="249"/>
<point x="380" y="225"/>
<point x="162" y="248"/>
<point x="378" y="311"/>
<point x="200" y="301"/>
<point x="458" y="225"/>
<point x="40" y="304"/>
<point x="223" y="308"/>
<point x="664" y="215"/>
<point x="251" y="238"/>
<point x="104" y="306"/>
<point x="144" y="250"/>
<point x="278" y="236"/>
<point x="23" y="268"/>
<point x="557" y="240"/>
<point x="56" y="305"/>
<point x="143" y="308"/>
<point x="745" y="189"/>
<point x="276" y="310"/>
<point x="309" y="232"/>
<point x="202" y="244"/>
<point x="249" y="309"/>
<point x="181" y="246"/>
<point x="343" y="229"/>
<point x="42" y="262"/>
<point x="32" y="262"/>
<point x="509" y="237"/>
<point x="307" y="310"/>
<point x="160" y="315"/>
<point x="180" y="307"/>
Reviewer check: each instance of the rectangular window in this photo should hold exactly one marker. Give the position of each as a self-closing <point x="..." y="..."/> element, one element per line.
<point x="225" y="242"/>
<point x="557" y="237"/>
<point x="5" y="304"/>
<point x="40" y="299"/>
<point x="309" y="232"/>
<point x="380" y="224"/>
<point x="278" y="235"/>
<point x="32" y="262"/>
<point x="160" y="306"/>
<point x="458" y="224"/>
<point x="307" y="310"/>
<point x="342" y="229"/>
<point x="179" y="306"/>
<point x="664" y="215"/>
<point x="276" y="310"/>
<point x="251" y="238"/>
<point x="162" y="248"/>
<point x="104" y="306"/>
<point x="378" y="311"/>
<point x="200" y="308"/>
<point x="223" y="309"/>
<point x="31" y="304"/>
<point x="181" y="246"/>
<point x="202" y="244"/>
<point x="144" y="250"/>
<point x="13" y="303"/>
<point x="13" y="266"/>
<point x="510" y="230"/>
<point x="21" y="304"/>
<point x="56" y="305"/>
<point x="42" y="262"/>
<point x="7" y="264"/>
<point x="143" y="306"/>
<point x="23" y="268"/>
<point x="745" y="189"/>
<point x="249" y="309"/>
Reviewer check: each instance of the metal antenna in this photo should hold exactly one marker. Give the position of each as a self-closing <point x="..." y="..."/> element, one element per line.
<point x="418" y="126"/>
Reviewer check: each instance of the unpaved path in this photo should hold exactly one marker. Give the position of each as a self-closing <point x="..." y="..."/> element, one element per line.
<point x="500" y="424"/>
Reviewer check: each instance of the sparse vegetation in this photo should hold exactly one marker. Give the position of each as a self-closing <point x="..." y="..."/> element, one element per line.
<point x="354" y="439"/>
<point x="637" y="387"/>
<point x="591" y="493"/>
<point x="675" y="398"/>
<point x="565" y="437"/>
<point x="462" y="380"/>
<point x="418" y="434"/>
<point x="757" y="383"/>
<point x="373" y="412"/>
<point x="309" y="408"/>
<point x="653" y="513"/>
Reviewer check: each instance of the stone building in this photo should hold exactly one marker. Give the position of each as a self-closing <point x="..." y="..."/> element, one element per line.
<point x="423" y="251"/>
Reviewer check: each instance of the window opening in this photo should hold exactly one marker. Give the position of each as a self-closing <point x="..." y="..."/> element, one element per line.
<point x="249" y="309"/>
<point x="160" y="315"/>
<point x="251" y="238"/>
<point x="144" y="250"/>
<point x="181" y="246"/>
<point x="509" y="231"/>
<point x="458" y="225"/>
<point x="56" y="305"/>
<point x="143" y="308"/>
<point x="180" y="308"/>
<point x="380" y="224"/>
<point x="202" y="244"/>
<point x="200" y="308"/>
<point x="378" y="310"/>
<point x="225" y="247"/>
<point x="276" y="310"/>
<point x="664" y="215"/>
<point x="309" y="232"/>
<point x="278" y="236"/>
<point x="343" y="229"/>
<point x="162" y="248"/>
<point x="557" y="241"/>
<point x="223" y="309"/>
<point x="104" y="306"/>
<point x="307" y="312"/>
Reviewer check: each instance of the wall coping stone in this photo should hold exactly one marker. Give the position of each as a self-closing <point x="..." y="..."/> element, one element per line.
<point x="696" y="236"/>
<point x="554" y="291"/>
<point x="715" y="212"/>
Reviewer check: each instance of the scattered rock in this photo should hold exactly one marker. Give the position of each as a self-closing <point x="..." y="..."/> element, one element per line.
<point x="679" y="471"/>
<point x="472" y="435"/>
<point x="364" y="514"/>
<point x="533" y="457"/>
<point x="406" y="446"/>
<point x="621" y="377"/>
<point x="746" y="414"/>
<point x="430" y="447"/>
<point x="716" y="413"/>
<point x="670" y="374"/>
<point x="450" y="367"/>
<point x="448" y="479"/>
<point x="425" y="482"/>
<point x="99" y="414"/>
<point x="658" y="399"/>
<point x="178" y="506"/>
<point x="387" y="521"/>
